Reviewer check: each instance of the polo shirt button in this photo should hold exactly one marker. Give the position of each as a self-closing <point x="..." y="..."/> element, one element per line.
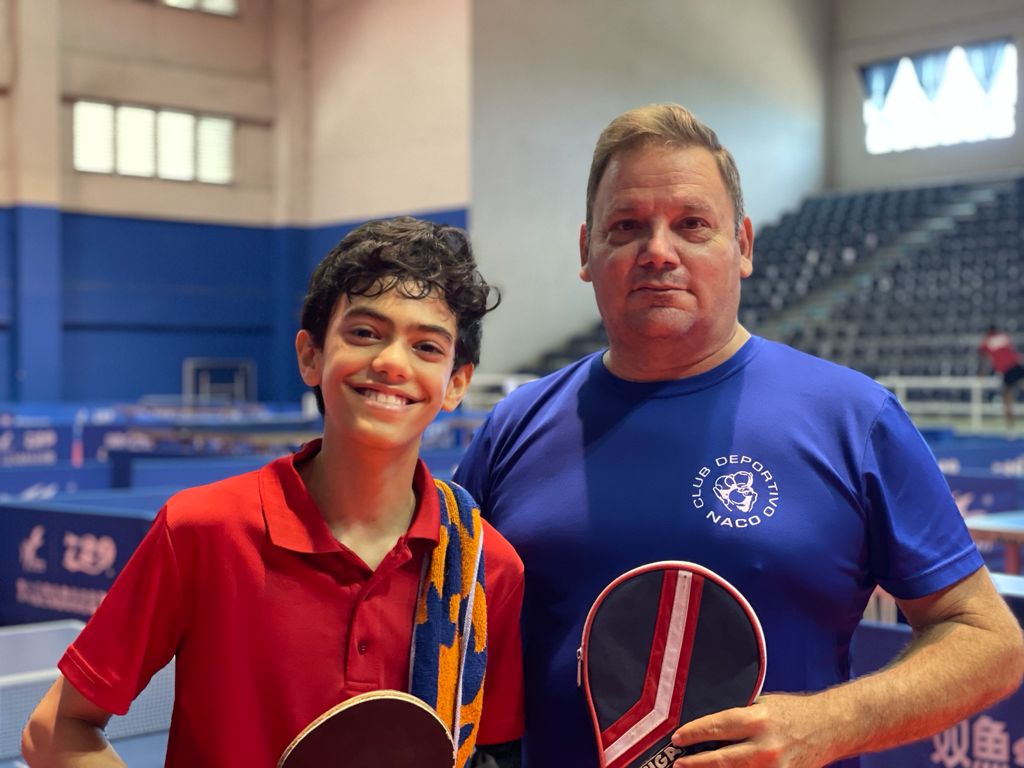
<point x="363" y="646"/>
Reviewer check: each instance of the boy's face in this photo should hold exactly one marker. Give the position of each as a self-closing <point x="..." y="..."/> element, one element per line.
<point x="385" y="369"/>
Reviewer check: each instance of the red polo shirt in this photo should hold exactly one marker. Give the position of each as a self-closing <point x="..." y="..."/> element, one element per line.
<point x="272" y="620"/>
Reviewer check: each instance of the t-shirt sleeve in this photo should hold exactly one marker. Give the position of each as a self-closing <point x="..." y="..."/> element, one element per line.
<point x="136" y="628"/>
<point x="918" y="541"/>
<point x="502" y="716"/>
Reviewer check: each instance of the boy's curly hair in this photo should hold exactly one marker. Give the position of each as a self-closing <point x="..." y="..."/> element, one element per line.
<point x="415" y="257"/>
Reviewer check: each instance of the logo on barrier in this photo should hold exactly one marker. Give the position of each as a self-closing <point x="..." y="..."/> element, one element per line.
<point x="39" y="439"/>
<point x="984" y="743"/>
<point x="28" y="447"/>
<point x="28" y="552"/>
<point x="89" y="554"/>
<point x="40" y="491"/>
<point x="744" y="492"/>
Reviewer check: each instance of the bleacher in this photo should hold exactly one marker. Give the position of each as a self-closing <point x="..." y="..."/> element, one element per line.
<point x="923" y="307"/>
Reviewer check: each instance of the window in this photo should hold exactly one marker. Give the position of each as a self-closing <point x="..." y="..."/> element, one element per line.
<point x="94" y="137"/>
<point x="177" y="151"/>
<point x="165" y="143"/>
<point x="220" y="7"/>
<point x="136" y="133"/>
<point x="964" y="94"/>
<point x="214" y="155"/>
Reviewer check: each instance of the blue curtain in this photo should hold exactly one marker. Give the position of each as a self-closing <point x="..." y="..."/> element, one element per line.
<point x="985" y="60"/>
<point x="931" y="69"/>
<point x="877" y="80"/>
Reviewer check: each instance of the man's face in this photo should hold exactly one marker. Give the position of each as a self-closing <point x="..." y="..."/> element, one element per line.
<point x="664" y="255"/>
<point x="385" y="369"/>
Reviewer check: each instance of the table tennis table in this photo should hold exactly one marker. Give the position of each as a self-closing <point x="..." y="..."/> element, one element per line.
<point x="28" y="666"/>
<point x="1005" y="527"/>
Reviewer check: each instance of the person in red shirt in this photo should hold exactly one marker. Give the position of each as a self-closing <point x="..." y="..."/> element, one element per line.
<point x="282" y="592"/>
<point x="1004" y="360"/>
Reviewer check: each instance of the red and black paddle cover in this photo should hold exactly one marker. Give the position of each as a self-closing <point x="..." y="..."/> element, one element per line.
<point x="664" y="644"/>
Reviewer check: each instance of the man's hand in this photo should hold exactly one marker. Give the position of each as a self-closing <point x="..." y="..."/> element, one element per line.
<point x="777" y="730"/>
<point x="967" y="653"/>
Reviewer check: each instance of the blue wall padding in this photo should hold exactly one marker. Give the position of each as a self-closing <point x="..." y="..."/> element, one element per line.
<point x="6" y="299"/>
<point x="37" y="304"/>
<point x="6" y="266"/>
<point x="126" y="364"/>
<point x="106" y="307"/>
<point x="289" y="279"/>
<point x="323" y="238"/>
<point x="129" y="272"/>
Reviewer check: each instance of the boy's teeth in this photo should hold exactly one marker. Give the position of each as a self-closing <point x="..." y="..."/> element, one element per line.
<point x="381" y="397"/>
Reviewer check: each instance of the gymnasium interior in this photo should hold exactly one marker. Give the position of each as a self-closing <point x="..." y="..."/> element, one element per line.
<point x="172" y="170"/>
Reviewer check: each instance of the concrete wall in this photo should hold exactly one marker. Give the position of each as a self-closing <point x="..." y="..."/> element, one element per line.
<point x="548" y="76"/>
<point x="910" y="26"/>
<point x="346" y="109"/>
<point x="6" y="81"/>
<point x="389" y="89"/>
<point x="149" y="54"/>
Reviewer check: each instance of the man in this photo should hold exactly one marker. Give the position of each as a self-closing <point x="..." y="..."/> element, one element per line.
<point x="801" y="482"/>
<point x="337" y="570"/>
<point x="1004" y="360"/>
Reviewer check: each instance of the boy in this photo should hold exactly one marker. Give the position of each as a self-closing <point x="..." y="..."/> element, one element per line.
<point x="287" y="590"/>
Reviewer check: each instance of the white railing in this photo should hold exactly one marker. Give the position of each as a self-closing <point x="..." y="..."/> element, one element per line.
<point x="985" y="398"/>
<point x="914" y="392"/>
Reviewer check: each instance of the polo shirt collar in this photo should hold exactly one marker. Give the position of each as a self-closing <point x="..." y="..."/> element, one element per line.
<point x="294" y="522"/>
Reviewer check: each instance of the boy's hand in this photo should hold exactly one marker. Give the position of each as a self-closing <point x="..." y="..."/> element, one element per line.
<point x="66" y="729"/>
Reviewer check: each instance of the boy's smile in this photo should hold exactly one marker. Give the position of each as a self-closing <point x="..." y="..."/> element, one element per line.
<point x="385" y="369"/>
<point x="383" y="398"/>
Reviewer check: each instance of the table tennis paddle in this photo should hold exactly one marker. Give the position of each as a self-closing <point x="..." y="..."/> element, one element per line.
<point x="379" y="729"/>
<point x="664" y="644"/>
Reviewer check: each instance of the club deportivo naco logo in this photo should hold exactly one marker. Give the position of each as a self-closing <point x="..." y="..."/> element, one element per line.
<point x="735" y="491"/>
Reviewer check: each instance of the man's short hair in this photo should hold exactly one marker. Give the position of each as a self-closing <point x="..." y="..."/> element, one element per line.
<point x="414" y="257"/>
<point x="661" y="124"/>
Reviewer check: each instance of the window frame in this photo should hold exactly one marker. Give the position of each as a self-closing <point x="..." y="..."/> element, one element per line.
<point x="200" y="6"/>
<point x="882" y="136"/>
<point x="197" y="118"/>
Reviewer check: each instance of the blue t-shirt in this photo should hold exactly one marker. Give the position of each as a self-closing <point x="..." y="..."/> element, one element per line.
<point x="801" y="482"/>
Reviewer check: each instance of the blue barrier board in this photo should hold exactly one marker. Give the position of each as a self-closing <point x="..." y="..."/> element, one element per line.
<point x="59" y="557"/>
<point x="994" y="737"/>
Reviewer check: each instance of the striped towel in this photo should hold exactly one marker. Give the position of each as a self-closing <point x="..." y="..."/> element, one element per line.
<point x="449" y="643"/>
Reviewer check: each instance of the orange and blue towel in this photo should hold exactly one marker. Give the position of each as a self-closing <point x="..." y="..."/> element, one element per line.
<point x="449" y="643"/>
